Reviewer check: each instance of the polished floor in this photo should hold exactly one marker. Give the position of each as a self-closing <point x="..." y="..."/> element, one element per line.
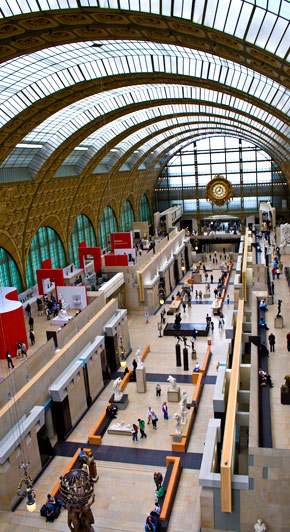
<point x="125" y="490"/>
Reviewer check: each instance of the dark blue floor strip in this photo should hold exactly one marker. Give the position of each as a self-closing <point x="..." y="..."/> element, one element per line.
<point x="129" y="455"/>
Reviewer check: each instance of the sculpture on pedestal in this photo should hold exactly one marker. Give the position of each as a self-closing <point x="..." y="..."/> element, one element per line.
<point x="177" y="418"/>
<point x="285" y="235"/>
<point x="77" y="492"/>
<point x="121" y="426"/>
<point x="279" y="308"/>
<point x="62" y="313"/>
<point x="172" y="382"/>
<point x="260" y="526"/>
<point x="139" y="359"/>
<point x="61" y="302"/>
<point x="183" y="406"/>
<point x="118" y="394"/>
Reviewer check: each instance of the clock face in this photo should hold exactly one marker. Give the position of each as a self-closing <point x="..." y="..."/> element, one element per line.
<point x="219" y="190"/>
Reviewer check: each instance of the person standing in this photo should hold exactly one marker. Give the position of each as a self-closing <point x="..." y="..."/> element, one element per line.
<point x="134" y="431"/>
<point x="134" y="364"/>
<point x="215" y="292"/>
<point x="212" y="326"/>
<point x="23" y="350"/>
<point x="147" y="317"/>
<point x="272" y="341"/>
<point x="220" y="323"/>
<point x="288" y="341"/>
<point x="28" y="309"/>
<point x="142" y="428"/>
<point x="149" y="414"/>
<point x="194" y="334"/>
<point x="211" y="278"/>
<point x="31" y="322"/>
<point x="32" y="336"/>
<point x="9" y="360"/>
<point x="184" y="306"/>
<point x="158" y="390"/>
<point x="165" y="410"/>
<point x="228" y="299"/>
<point x="18" y="352"/>
<point x="154" y="420"/>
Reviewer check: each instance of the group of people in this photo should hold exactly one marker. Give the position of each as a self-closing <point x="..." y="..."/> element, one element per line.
<point x="264" y="378"/>
<point x="51" y="509"/>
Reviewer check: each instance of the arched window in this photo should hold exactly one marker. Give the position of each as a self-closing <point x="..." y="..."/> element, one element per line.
<point x="144" y="213"/>
<point x="46" y="244"/>
<point x="108" y="225"/>
<point x="82" y="230"/>
<point x="127" y="216"/>
<point x="9" y="273"/>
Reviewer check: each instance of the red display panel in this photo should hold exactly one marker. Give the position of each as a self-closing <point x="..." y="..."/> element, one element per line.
<point x="46" y="264"/>
<point x="55" y="275"/>
<point x="121" y="241"/>
<point x="116" y="260"/>
<point x="12" y="322"/>
<point x="95" y="252"/>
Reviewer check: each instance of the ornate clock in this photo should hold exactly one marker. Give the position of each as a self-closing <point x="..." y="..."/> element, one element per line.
<point x="219" y="191"/>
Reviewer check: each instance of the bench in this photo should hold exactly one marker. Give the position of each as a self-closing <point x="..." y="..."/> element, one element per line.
<point x="72" y="465"/>
<point x="204" y="368"/>
<point x="170" y="484"/>
<point x="174" y="306"/>
<point x="95" y="436"/>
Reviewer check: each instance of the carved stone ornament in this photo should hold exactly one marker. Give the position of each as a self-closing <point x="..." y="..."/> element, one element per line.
<point x="219" y="191"/>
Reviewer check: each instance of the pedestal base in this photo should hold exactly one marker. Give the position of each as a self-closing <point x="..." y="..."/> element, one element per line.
<point x="206" y="295"/>
<point x="120" y="404"/>
<point x="141" y="380"/>
<point x="285" y="395"/>
<point x="278" y="322"/>
<point x="178" y="437"/>
<point x="173" y="396"/>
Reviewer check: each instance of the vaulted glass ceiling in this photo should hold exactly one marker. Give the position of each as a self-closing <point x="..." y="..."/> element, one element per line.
<point x="264" y="23"/>
<point x="31" y="77"/>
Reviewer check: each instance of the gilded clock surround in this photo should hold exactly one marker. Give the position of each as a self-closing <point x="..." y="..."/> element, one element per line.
<point x="219" y="191"/>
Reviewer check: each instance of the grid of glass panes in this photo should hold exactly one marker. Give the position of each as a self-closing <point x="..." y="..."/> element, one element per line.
<point x="144" y="211"/>
<point x="127" y="217"/>
<point x="82" y="230"/>
<point x="9" y="274"/>
<point x="265" y="24"/>
<point x="108" y="225"/>
<point x="46" y="244"/>
<point x="251" y="171"/>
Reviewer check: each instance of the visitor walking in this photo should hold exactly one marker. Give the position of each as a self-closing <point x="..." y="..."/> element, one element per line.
<point x="142" y="428"/>
<point x="147" y="317"/>
<point x="32" y="336"/>
<point x="184" y="306"/>
<point x="9" y="360"/>
<point x="154" y="419"/>
<point x="149" y="414"/>
<point x="158" y="390"/>
<point x="165" y="410"/>
<point x="23" y="350"/>
<point x="134" y="431"/>
<point x="31" y="322"/>
<point x="211" y="278"/>
<point x="212" y="326"/>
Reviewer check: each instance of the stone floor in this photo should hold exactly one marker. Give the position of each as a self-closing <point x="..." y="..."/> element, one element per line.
<point x="125" y="491"/>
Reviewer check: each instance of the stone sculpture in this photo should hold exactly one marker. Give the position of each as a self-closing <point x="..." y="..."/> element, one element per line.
<point x="260" y="526"/>
<point x="62" y="313"/>
<point x="172" y="382"/>
<point x="177" y="418"/>
<point x="183" y="406"/>
<point x="118" y="394"/>
<point x="139" y="359"/>
<point x="121" y="426"/>
<point x="284" y="235"/>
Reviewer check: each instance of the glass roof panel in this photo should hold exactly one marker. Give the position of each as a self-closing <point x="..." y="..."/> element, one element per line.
<point x="67" y="121"/>
<point x="231" y="16"/>
<point x="25" y="79"/>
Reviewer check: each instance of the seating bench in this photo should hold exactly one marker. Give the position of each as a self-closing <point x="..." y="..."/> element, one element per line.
<point x="95" y="436"/>
<point x="170" y="484"/>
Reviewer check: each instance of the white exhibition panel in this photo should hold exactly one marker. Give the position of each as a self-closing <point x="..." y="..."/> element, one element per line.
<point x="75" y="297"/>
<point x="127" y="251"/>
